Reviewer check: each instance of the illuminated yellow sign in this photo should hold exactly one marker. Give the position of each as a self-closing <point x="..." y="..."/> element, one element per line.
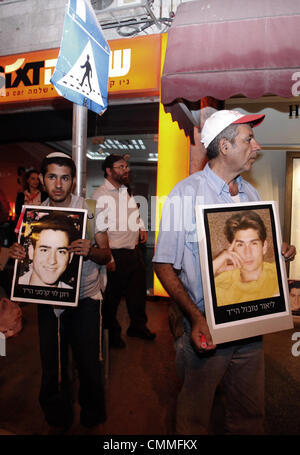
<point x="173" y="164"/>
<point x="135" y="66"/>
<point x="134" y="71"/>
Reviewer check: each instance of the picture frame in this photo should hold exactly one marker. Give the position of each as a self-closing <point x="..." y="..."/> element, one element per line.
<point x="49" y="274"/>
<point x="291" y="213"/>
<point x="244" y="278"/>
<point x="294" y="296"/>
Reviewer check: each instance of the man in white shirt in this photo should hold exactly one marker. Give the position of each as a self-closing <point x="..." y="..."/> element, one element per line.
<point x="118" y="223"/>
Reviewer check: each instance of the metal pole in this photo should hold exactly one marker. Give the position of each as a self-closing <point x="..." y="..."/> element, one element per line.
<point x="79" y="146"/>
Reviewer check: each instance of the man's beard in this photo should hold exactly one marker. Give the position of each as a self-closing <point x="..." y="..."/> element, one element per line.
<point x="124" y="179"/>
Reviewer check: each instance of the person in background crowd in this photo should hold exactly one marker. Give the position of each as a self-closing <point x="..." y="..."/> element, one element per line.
<point x="118" y="224"/>
<point x="32" y="195"/>
<point x="21" y="180"/>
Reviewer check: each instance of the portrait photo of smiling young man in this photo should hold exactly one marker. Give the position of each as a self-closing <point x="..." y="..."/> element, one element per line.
<point x="48" y="250"/>
<point x="241" y="272"/>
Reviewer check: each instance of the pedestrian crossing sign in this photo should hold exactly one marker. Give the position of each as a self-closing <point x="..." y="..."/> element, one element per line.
<point x="81" y="73"/>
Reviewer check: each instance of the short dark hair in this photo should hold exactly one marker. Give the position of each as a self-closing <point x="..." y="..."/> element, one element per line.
<point x="295" y="284"/>
<point x="31" y="171"/>
<point x="109" y="162"/>
<point x="245" y="220"/>
<point x="228" y="133"/>
<point x="55" y="221"/>
<point x="28" y="174"/>
<point x="60" y="161"/>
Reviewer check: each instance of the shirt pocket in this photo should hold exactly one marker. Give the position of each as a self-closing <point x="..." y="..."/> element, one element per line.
<point x="191" y="271"/>
<point x="191" y="241"/>
<point x="192" y="259"/>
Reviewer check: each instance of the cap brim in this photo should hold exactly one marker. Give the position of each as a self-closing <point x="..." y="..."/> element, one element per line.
<point x="58" y="155"/>
<point x="255" y="119"/>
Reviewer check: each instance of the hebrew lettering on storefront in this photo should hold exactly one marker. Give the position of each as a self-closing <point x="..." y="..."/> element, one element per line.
<point x="134" y="70"/>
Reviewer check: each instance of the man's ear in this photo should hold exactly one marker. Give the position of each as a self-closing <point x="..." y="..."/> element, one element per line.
<point x="108" y="171"/>
<point x="41" y="179"/>
<point x="74" y="184"/>
<point x="223" y="146"/>
<point x="30" y="252"/>
<point x="71" y="257"/>
<point x="265" y="247"/>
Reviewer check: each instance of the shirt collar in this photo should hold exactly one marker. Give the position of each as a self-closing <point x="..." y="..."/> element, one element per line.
<point x="111" y="187"/>
<point x="218" y="184"/>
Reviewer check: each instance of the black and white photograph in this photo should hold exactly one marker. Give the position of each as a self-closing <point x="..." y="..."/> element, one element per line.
<point x="49" y="273"/>
<point x="243" y="274"/>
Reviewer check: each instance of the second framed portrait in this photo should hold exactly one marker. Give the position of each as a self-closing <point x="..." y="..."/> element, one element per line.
<point x="50" y="273"/>
<point x="243" y="273"/>
<point x="294" y="294"/>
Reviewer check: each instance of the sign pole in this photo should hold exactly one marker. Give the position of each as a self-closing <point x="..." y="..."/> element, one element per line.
<point x="81" y="76"/>
<point x="79" y="146"/>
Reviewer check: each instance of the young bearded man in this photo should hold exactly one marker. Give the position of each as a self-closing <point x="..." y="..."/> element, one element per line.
<point x="78" y="327"/>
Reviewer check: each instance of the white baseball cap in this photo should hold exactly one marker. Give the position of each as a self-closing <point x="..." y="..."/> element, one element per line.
<point x="218" y="121"/>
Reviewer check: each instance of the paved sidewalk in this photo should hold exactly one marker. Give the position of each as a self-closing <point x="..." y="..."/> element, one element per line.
<point x="142" y="388"/>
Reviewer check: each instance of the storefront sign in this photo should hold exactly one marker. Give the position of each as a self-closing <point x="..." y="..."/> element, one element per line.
<point x="27" y="76"/>
<point x="134" y="71"/>
<point x="135" y="66"/>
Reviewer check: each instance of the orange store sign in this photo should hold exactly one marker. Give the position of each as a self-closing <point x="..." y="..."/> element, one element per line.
<point x="134" y="71"/>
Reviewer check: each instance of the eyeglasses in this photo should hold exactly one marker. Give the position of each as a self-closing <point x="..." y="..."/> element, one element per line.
<point x="122" y="167"/>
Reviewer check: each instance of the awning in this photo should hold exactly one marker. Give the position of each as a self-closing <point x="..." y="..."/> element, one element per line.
<point x="223" y="48"/>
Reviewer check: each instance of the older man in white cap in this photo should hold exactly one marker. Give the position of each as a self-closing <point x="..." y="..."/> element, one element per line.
<point x="238" y="366"/>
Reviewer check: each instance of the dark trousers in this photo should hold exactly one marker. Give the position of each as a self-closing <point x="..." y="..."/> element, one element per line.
<point x="129" y="280"/>
<point x="79" y="328"/>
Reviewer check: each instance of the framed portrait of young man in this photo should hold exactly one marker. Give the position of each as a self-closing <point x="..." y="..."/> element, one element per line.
<point x="294" y="294"/>
<point x="244" y="278"/>
<point x="50" y="273"/>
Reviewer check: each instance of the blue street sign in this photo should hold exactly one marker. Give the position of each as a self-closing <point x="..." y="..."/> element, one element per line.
<point x="81" y="73"/>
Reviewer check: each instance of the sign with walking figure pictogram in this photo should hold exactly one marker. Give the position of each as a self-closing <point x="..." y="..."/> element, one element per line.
<point x="81" y="73"/>
<point x="88" y="71"/>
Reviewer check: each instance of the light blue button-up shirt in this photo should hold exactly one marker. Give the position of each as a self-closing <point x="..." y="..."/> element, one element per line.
<point x="177" y="242"/>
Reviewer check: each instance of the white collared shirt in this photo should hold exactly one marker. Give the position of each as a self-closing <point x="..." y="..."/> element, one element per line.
<point x="118" y="215"/>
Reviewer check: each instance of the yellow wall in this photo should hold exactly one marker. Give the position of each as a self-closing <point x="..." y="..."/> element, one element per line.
<point x="173" y="161"/>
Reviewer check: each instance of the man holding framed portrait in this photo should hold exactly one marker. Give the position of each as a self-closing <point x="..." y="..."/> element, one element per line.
<point x="239" y="366"/>
<point x="59" y="326"/>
